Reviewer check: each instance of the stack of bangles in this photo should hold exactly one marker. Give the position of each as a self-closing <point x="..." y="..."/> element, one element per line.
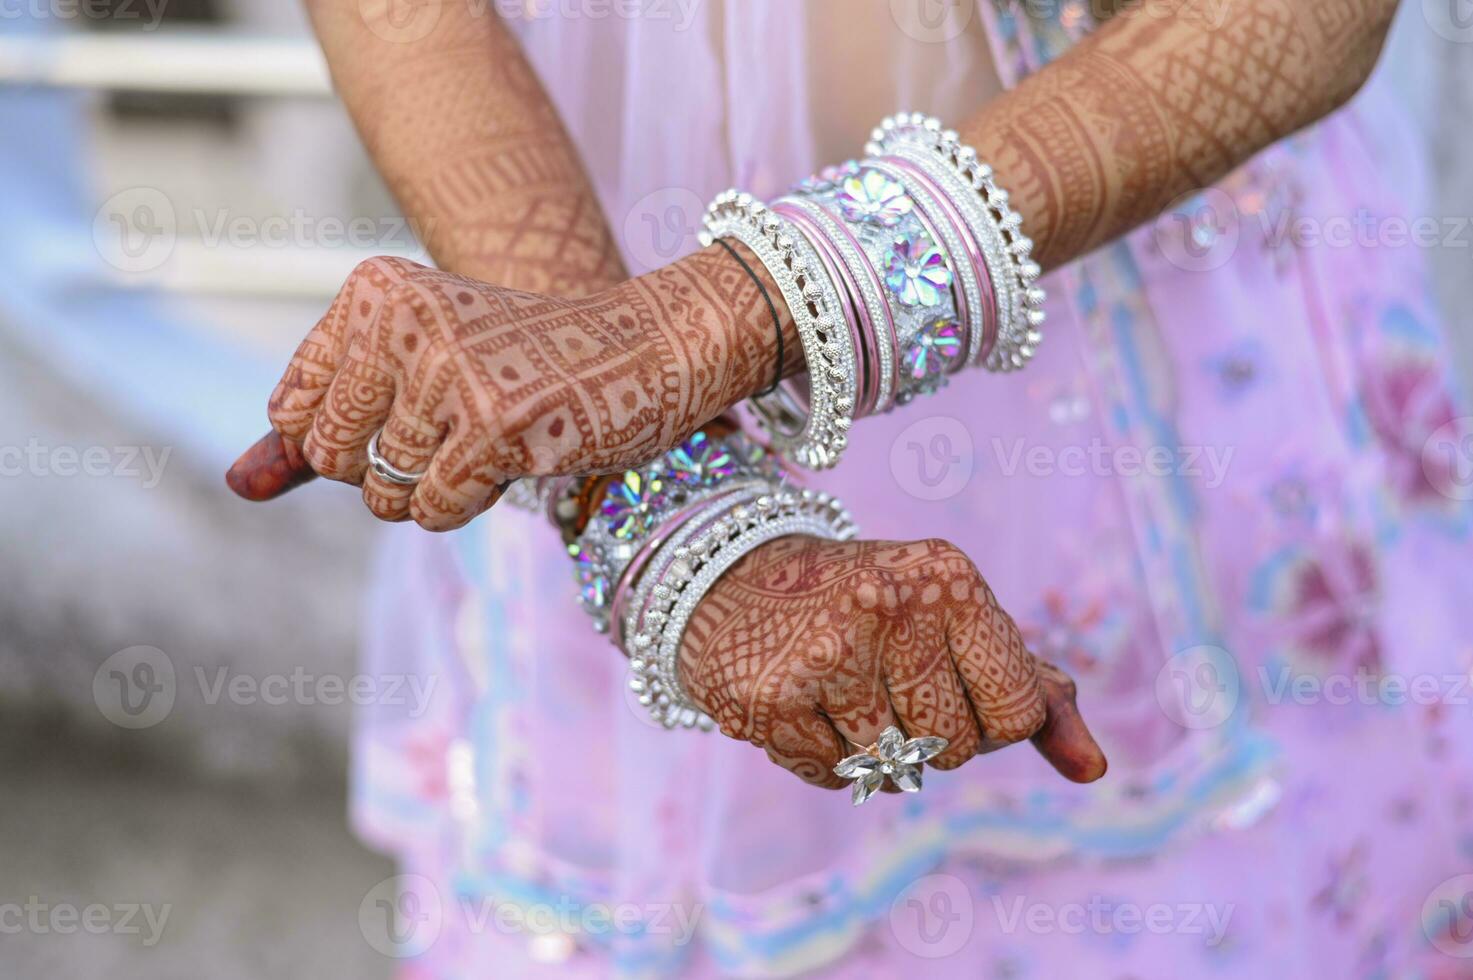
<point x="657" y="538"/>
<point x="899" y="270"/>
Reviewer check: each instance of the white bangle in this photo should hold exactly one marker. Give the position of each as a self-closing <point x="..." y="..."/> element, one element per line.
<point x="814" y="437"/>
<point x="693" y="567"/>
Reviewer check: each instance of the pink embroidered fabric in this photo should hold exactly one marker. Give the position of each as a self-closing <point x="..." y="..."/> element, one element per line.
<point x="1226" y="497"/>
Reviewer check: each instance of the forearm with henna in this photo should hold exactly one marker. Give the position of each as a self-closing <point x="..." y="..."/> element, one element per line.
<point x="1166" y="98"/>
<point x="466" y="137"/>
<point x="475" y="385"/>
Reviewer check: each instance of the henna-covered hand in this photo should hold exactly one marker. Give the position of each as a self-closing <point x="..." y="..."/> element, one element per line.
<point x="475" y="385"/>
<point x="810" y="648"/>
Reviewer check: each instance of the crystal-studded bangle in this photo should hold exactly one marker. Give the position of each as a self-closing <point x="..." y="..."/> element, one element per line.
<point x="814" y="435"/>
<point x="904" y="237"/>
<point x="526" y="494"/>
<point x="940" y="154"/>
<point x="639" y="501"/>
<point x="694" y="565"/>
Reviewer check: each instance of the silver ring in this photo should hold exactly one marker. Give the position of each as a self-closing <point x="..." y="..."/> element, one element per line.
<point x="387" y="471"/>
<point x="891" y="756"/>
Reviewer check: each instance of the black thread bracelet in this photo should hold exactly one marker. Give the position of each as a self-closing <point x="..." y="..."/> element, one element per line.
<point x="777" y="324"/>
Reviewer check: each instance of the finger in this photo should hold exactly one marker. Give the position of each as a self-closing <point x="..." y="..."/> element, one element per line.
<point x="1065" y="740"/>
<point x="459" y="485"/>
<point x="806" y="744"/>
<point x="852" y="691"/>
<point x="929" y="699"/>
<point x="407" y="443"/>
<point x="1000" y="675"/>
<point x="358" y="304"/>
<point x="356" y="406"/>
<point x="270" y="468"/>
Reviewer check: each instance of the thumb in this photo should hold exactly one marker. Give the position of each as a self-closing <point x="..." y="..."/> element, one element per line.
<point x="1065" y="740"/>
<point x="269" y="468"/>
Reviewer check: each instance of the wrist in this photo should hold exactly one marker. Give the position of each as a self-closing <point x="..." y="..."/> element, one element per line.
<point x="747" y="316"/>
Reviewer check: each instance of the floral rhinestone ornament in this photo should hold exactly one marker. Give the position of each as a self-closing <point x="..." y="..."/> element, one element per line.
<point x="891" y="756"/>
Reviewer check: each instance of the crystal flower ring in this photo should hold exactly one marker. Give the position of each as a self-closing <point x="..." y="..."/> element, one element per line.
<point x="893" y="756"/>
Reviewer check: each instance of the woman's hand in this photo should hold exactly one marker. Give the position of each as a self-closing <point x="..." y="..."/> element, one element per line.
<point x="474" y="385"/>
<point x="811" y="648"/>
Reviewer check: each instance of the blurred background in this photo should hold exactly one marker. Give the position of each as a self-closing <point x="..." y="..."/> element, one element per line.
<point x="181" y="198"/>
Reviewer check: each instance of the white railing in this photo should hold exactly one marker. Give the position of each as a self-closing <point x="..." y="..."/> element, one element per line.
<point x="204" y="61"/>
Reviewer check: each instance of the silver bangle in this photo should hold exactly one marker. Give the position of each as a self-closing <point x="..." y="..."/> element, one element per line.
<point x="871" y="291"/>
<point x="694" y="566"/>
<point x="814" y="437"/>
